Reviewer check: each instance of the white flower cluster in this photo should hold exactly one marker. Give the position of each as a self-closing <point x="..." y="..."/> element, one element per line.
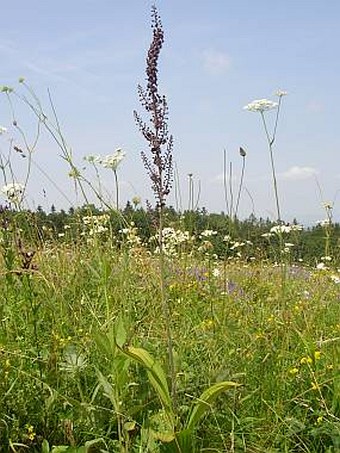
<point x="131" y="238"/>
<point x="335" y="279"/>
<point x="96" y="224"/>
<point x="13" y="192"/>
<point x="324" y="223"/>
<point x="111" y="161"/>
<point x="173" y="241"/>
<point x="280" y="93"/>
<point x="284" y="229"/>
<point x="208" y="233"/>
<point x="261" y="105"/>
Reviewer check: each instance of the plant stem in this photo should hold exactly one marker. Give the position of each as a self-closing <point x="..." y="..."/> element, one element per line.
<point x="117" y="189"/>
<point x="270" y="147"/>
<point x="166" y="308"/>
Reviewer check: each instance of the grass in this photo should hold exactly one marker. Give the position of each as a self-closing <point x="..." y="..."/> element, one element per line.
<point x="110" y="342"/>
<point x="58" y="325"/>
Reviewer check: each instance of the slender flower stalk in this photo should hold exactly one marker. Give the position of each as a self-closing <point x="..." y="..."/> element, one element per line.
<point x="243" y="154"/>
<point x="159" y="164"/>
<point x="262" y="106"/>
<point x="112" y="162"/>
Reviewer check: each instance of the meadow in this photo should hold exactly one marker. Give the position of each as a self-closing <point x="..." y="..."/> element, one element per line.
<point x="152" y="330"/>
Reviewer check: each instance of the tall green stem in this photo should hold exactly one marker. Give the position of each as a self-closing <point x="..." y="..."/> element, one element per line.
<point x="166" y="307"/>
<point x="270" y="147"/>
<point x="117" y="189"/>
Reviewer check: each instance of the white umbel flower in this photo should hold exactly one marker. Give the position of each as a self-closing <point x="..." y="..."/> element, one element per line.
<point x="112" y="161"/>
<point x="13" y="192"/>
<point x="261" y="105"/>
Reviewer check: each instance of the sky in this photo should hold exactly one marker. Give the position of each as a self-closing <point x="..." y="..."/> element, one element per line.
<point x="217" y="57"/>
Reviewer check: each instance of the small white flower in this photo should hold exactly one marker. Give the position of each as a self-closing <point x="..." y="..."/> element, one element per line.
<point x="327" y="205"/>
<point x="281" y="229"/>
<point x="326" y="258"/>
<point x="93" y="159"/>
<point x="261" y="105"/>
<point x="324" y="223"/>
<point x="112" y="161"/>
<point x="321" y="266"/>
<point x="13" y="192"/>
<point x="335" y="279"/>
<point x="216" y="272"/>
<point x="208" y="233"/>
<point x="280" y="93"/>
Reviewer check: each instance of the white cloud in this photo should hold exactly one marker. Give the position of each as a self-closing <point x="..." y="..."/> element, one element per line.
<point x="216" y="62"/>
<point x="297" y="173"/>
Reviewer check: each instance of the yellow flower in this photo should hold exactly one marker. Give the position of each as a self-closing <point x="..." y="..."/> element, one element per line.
<point x="315" y="386"/>
<point x="317" y="355"/>
<point x="319" y="419"/>
<point x="306" y="360"/>
<point x="293" y="371"/>
<point x="30" y="432"/>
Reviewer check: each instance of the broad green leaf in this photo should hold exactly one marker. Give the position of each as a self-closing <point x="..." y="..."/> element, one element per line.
<point x="129" y="426"/>
<point x="183" y="442"/>
<point x="155" y="374"/>
<point x="108" y="389"/>
<point x="204" y="402"/>
<point x="45" y="447"/>
<point x="65" y="449"/>
<point x="90" y="443"/>
<point x="120" y="332"/>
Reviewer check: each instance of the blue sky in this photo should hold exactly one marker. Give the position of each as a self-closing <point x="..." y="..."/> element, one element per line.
<point x="218" y="56"/>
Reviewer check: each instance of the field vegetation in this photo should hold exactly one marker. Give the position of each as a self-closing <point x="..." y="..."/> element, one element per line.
<point x="158" y="330"/>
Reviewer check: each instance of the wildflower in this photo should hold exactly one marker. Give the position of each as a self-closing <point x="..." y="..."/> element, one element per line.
<point x="315" y="386"/>
<point x="305" y="360"/>
<point x="74" y="173"/>
<point x="280" y="229"/>
<point x="280" y="93"/>
<point x="13" y="192"/>
<point x="319" y="419"/>
<point x="324" y="223"/>
<point x="293" y="371"/>
<point x="112" y="161"/>
<point x="93" y="159"/>
<point x="3" y="130"/>
<point x="321" y="266"/>
<point x="136" y="200"/>
<point x="208" y="233"/>
<point x="327" y="205"/>
<point x="216" y="272"/>
<point x="317" y="355"/>
<point x="335" y="279"/>
<point x="261" y="105"/>
<point x="326" y="258"/>
<point x="5" y="89"/>
<point x="30" y="432"/>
